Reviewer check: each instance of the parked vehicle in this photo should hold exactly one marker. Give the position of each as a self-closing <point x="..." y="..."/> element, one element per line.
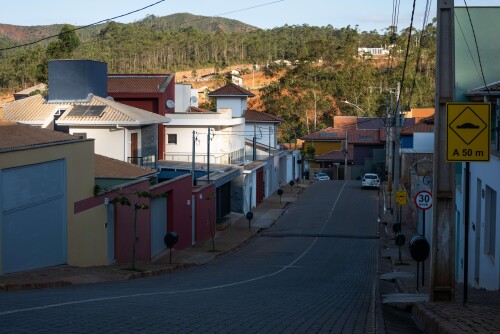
<point x="321" y="177"/>
<point x="370" y="180"/>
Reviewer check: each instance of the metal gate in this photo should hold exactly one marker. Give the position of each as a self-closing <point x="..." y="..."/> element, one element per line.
<point x="158" y="225"/>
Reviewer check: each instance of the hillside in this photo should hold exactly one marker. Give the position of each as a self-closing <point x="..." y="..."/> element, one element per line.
<point x="13" y="34"/>
<point x="202" y="23"/>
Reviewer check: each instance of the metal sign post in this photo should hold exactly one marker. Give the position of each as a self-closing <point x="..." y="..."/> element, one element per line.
<point x="423" y="201"/>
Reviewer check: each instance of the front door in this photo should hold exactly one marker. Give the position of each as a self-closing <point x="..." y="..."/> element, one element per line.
<point x="134" y="148"/>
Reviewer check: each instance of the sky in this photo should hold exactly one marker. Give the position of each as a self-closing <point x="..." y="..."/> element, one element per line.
<point x="367" y="14"/>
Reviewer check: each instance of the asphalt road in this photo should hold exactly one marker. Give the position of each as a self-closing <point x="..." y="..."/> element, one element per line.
<point x="313" y="272"/>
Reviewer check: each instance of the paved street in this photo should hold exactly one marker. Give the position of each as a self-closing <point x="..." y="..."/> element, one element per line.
<point x="314" y="271"/>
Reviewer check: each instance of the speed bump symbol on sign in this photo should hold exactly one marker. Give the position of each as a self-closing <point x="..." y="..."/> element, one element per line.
<point x="468" y="131"/>
<point x="401" y="197"/>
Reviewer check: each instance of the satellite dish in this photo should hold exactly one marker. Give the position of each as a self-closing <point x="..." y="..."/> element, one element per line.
<point x="194" y="99"/>
<point x="170" y="104"/>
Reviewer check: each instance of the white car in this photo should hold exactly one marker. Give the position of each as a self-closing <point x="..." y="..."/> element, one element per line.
<point x="321" y="177"/>
<point x="370" y="180"/>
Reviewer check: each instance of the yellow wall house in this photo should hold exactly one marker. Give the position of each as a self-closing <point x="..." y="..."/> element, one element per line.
<point x="324" y="141"/>
<point x="42" y="174"/>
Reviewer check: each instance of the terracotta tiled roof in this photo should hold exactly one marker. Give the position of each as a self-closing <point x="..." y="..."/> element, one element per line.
<point x="15" y="136"/>
<point x="328" y="134"/>
<point x="336" y="155"/>
<point x="355" y="136"/>
<point x="419" y="127"/>
<point x="108" y="168"/>
<point x="257" y="116"/>
<point x="138" y="83"/>
<point x="419" y="113"/>
<point x="344" y="121"/>
<point x="370" y="123"/>
<point x="367" y="123"/>
<point x="231" y="89"/>
<point x="33" y="110"/>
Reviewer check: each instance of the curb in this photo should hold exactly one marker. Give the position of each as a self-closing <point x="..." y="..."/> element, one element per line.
<point x="151" y="273"/>
<point x="30" y="286"/>
<point x="430" y="322"/>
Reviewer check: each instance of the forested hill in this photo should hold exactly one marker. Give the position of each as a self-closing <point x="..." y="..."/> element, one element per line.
<point x="314" y="69"/>
<point x="13" y="35"/>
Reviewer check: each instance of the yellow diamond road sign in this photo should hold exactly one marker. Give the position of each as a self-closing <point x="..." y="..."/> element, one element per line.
<point x="400" y="197"/>
<point x="468" y="131"/>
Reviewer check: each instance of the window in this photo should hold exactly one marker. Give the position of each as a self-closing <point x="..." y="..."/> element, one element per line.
<point x="490" y="220"/>
<point x="172" y="139"/>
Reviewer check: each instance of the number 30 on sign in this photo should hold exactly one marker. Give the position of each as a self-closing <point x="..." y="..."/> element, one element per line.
<point x="423" y="200"/>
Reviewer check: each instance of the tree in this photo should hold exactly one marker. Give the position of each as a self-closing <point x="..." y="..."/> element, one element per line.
<point x="67" y="41"/>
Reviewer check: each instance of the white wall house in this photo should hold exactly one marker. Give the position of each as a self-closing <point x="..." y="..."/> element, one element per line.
<point x="264" y="127"/>
<point x="121" y="132"/>
<point x="185" y="97"/>
<point x="484" y="225"/>
<point x="484" y="215"/>
<point x="232" y="97"/>
<point x="226" y="140"/>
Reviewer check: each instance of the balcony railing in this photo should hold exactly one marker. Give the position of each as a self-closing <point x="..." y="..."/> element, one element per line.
<point x="146" y="161"/>
<point x="232" y="158"/>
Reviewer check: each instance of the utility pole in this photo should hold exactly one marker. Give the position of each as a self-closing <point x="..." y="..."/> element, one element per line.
<point x="270" y="131"/>
<point x="254" y="143"/>
<point x="345" y="156"/>
<point x="194" y="158"/>
<point x="208" y="156"/>
<point x="397" y="144"/>
<point x="442" y="287"/>
<point x="389" y="147"/>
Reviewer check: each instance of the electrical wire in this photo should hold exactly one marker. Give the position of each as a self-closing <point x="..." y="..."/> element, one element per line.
<point x="468" y="46"/>
<point x="83" y="27"/>
<point x="398" y="103"/>
<point x="419" y="50"/>
<point x="477" y="50"/>
<point x="135" y="11"/>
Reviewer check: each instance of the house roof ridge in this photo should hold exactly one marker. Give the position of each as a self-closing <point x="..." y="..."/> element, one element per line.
<point x="231" y="89"/>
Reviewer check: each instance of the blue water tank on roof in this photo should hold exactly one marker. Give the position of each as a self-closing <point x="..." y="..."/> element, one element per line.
<point x="74" y="80"/>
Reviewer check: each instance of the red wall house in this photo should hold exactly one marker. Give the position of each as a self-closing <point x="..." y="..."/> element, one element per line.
<point x="179" y="215"/>
<point x="145" y="91"/>
<point x="204" y="201"/>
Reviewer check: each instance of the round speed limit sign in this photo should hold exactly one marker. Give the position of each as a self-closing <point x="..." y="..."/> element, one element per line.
<point x="423" y="200"/>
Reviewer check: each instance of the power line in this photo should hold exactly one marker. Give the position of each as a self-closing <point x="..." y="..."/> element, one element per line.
<point x="477" y="49"/>
<point x="419" y="51"/>
<point x="135" y="11"/>
<point x="83" y="27"/>
<point x="232" y="12"/>
<point x="398" y="103"/>
<point x="468" y="47"/>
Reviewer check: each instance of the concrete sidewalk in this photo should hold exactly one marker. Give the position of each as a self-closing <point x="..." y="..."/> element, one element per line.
<point x="237" y="234"/>
<point x="481" y="314"/>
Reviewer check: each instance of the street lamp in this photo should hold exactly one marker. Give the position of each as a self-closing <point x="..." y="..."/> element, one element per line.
<point x="356" y="106"/>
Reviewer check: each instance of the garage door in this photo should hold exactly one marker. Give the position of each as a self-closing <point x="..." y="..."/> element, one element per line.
<point x="33" y="221"/>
